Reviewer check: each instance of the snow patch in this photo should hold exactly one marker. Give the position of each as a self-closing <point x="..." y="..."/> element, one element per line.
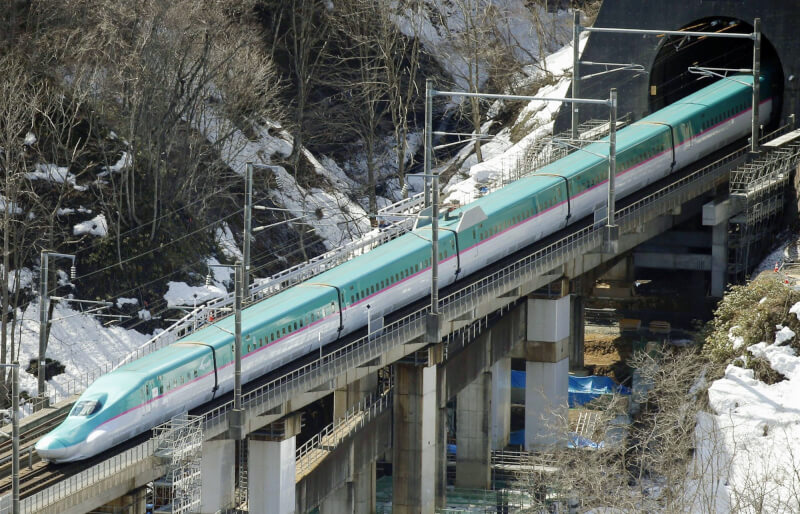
<point x="78" y="341"/>
<point x="96" y="226"/>
<point x="184" y="295"/>
<point x="224" y="239"/>
<point x="54" y="173"/>
<point x="19" y="279"/>
<point x="122" y="302"/>
<point x="122" y="163"/>
<point x="11" y="207"/>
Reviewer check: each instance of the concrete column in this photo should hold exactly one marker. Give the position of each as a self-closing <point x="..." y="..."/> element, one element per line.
<point x="217" y="475"/>
<point x="344" y="398"/>
<point x="501" y="403"/>
<point x="473" y="446"/>
<point x="547" y="370"/>
<point x="270" y="474"/>
<point x="719" y="259"/>
<point x="716" y="215"/>
<point x="364" y="489"/>
<point x="357" y="495"/>
<point x="576" y="335"/>
<point x="546" y="402"/>
<point x="339" y="501"/>
<point x="415" y="444"/>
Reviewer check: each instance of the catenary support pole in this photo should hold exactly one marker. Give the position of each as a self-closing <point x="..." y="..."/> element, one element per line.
<point x="576" y="31"/>
<point x="43" y="299"/>
<point x="428" y="154"/>
<point x="612" y="231"/>
<point x="248" y="224"/>
<point x="237" y="374"/>
<point x="236" y="420"/>
<point x="756" y="84"/>
<point x="434" y="193"/>
<point x="15" y="439"/>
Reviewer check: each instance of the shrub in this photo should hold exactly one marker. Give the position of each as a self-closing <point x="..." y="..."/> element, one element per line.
<point x="750" y="311"/>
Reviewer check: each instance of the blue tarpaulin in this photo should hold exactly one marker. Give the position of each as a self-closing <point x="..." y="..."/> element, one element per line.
<point x="581" y="389"/>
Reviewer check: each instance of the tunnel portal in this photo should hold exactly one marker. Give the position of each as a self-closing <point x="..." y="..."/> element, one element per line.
<point x="666" y="58"/>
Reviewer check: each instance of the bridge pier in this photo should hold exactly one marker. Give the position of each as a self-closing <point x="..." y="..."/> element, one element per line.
<point x="349" y="395"/>
<point x="576" y="333"/>
<point x="217" y="475"/>
<point x="500" y="404"/>
<point x="546" y="352"/>
<point x="357" y="496"/>
<point x="271" y="468"/>
<point x="716" y="215"/>
<point x="135" y="502"/>
<point x="417" y="450"/>
<point x="473" y="447"/>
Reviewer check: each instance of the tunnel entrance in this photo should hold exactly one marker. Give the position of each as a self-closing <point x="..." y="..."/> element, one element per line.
<point x="670" y="79"/>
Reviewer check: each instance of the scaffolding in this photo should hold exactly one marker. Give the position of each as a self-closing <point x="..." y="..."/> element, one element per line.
<point x="241" y="484"/>
<point x="757" y="189"/>
<point x="180" y="442"/>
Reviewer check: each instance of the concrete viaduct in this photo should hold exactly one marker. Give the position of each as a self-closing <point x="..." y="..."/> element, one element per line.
<point x="466" y="355"/>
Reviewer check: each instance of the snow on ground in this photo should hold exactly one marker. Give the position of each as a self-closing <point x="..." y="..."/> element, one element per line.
<point x="179" y="294"/>
<point x="747" y="459"/>
<point x="500" y="156"/>
<point x="441" y="26"/>
<point x="226" y="242"/>
<point x="96" y="226"/>
<point x="78" y="341"/>
<point x="19" y="279"/>
<point x="54" y="173"/>
<point x="122" y="302"/>
<point x="122" y="163"/>
<point x="10" y="206"/>
<point x="329" y="211"/>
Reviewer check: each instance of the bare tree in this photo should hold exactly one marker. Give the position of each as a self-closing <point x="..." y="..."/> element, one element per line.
<point x="641" y="466"/>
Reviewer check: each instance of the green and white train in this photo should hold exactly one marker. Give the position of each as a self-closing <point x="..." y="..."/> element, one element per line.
<point x="143" y="393"/>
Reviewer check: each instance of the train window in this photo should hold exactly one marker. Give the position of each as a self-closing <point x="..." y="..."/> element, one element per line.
<point x="195" y="373"/>
<point x="352" y="299"/>
<point x="147" y="389"/>
<point x="284" y="330"/>
<point x="86" y="408"/>
<point x="295" y="325"/>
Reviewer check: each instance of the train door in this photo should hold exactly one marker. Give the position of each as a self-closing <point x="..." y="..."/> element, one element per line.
<point x="686" y="134"/>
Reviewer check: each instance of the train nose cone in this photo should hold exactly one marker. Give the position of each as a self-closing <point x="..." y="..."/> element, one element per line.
<point x="51" y="448"/>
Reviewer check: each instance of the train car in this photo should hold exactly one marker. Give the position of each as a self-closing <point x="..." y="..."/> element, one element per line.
<point x="297" y="321"/>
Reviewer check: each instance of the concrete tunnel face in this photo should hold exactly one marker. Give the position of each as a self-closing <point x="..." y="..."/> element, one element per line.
<point x="670" y="79"/>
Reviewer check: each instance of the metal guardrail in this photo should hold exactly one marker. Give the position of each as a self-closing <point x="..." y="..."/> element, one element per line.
<point x="220" y="307"/>
<point x="87" y="478"/>
<point x="262" y="289"/>
<point x="328" y="439"/>
<point x="413" y="325"/>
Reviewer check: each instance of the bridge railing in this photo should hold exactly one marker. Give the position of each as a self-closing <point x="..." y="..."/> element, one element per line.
<point x="311" y="375"/>
<point x="102" y="472"/>
<point x="413" y="325"/>
<point x="219" y="308"/>
<point x="325" y="441"/>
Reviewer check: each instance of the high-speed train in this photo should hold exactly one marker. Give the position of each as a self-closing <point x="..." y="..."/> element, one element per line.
<point x="143" y="393"/>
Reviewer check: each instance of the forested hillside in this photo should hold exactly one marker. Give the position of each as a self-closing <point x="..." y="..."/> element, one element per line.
<point x="125" y="128"/>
